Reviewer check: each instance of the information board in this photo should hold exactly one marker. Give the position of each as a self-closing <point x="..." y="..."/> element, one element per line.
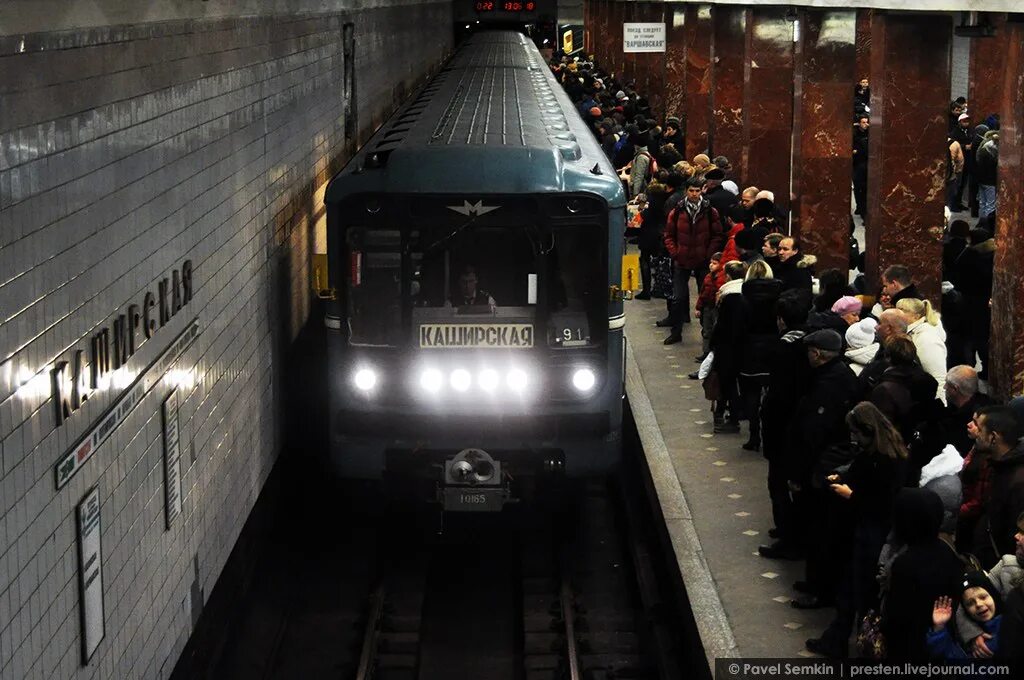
<point x="90" y="573"/>
<point x="643" y="37"/>
<point x="172" y="458"/>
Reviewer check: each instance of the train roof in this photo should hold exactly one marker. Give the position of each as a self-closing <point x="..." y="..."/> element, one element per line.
<point x="493" y="120"/>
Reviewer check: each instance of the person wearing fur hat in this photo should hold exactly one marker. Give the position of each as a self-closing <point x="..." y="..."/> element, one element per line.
<point x="862" y="344"/>
<point x="982" y="603"/>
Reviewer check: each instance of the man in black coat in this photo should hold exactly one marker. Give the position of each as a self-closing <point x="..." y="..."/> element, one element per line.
<point x="819" y="421"/>
<point x="962" y="401"/>
<point x="860" y="165"/>
<point x="897" y="284"/>
<point x="795" y="268"/>
<point x="787" y="381"/>
<point x="998" y="436"/>
<point x="720" y="198"/>
<point x="927" y="570"/>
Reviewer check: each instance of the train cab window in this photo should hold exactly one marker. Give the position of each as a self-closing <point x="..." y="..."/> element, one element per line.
<point x="475" y="271"/>
<point x="374" y="287"/>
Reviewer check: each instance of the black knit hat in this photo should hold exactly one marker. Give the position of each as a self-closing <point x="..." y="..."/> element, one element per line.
<point x="979" y="579"/>
<point x="763" y="208"/>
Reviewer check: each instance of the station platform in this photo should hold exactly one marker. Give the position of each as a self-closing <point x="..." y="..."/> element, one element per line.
<point x="714" y="498"/>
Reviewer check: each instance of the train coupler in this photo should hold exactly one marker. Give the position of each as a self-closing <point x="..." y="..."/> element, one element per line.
<point x="473" y="482"/>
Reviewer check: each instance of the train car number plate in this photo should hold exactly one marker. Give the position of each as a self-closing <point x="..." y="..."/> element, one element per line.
<point x="473" y="499"/>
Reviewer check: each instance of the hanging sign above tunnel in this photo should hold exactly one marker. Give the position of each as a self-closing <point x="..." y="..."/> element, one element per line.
<point x="643" y="37"/>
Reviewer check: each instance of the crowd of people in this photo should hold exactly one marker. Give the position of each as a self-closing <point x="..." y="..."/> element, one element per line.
<point x="889" y="470"/>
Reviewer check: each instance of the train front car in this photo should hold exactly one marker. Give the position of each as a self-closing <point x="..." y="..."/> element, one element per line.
<point x="474" y="245"/>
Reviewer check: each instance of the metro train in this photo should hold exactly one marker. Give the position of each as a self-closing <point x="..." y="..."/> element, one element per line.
<point x="475" y="336"/>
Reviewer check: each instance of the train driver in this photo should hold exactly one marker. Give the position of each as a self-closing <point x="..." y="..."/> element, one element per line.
<point x="469" y="295"/>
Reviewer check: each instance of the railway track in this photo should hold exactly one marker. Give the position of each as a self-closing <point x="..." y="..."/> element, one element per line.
<point x="562" y="592"/>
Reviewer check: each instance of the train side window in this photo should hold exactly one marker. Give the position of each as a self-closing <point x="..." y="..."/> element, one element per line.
<point x="374" y="287"/>
<point x="349" y="87"/>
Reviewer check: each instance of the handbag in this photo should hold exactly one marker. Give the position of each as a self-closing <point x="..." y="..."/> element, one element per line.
<point x="712" y="386"/>
<point x="870" y="639"/>
<point x="661" y="276"/>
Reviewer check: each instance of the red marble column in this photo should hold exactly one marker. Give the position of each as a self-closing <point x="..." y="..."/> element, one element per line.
<point x="863" y="67"/>
<point x="986" y="71"/>
<point x="910" y="55"/>
<point x="725" y="136"/>
<point x="629" y="12"/>
<point x="1006" y="349"/>
<point x="698" y="83"/>
<point x="768" y="102"/>
<point x="676" y="19"/>
<point x="822" y="134"/>
<point x="650" y="66"/>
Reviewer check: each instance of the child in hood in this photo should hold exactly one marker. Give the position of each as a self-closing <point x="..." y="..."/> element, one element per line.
<point x="982" y="602"/>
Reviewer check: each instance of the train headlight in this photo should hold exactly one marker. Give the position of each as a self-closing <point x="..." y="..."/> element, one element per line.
<point x="488" y="380"/>
<point x="365" y="379"/>
<point x="583" y="379"/>
<point x="516" y="380"/>
<point x="431" y="380"/>
<point x="461" y="380"/>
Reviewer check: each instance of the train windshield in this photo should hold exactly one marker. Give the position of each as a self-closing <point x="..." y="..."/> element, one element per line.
<point x="531" y="285"/>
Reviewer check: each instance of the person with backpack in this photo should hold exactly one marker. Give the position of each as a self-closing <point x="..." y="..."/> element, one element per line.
<point x="643" y="166"/>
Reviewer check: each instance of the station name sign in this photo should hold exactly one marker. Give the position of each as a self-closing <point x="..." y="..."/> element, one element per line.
<point x="112" y="346"/>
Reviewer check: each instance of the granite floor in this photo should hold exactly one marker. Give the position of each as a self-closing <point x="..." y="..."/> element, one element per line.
<point x="726" y="491"/>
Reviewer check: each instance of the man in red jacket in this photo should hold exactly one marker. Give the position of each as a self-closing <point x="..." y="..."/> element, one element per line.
<point x="693" y="232"/>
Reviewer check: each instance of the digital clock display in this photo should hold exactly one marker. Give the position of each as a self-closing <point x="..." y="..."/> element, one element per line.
<point x="506" y="6"/>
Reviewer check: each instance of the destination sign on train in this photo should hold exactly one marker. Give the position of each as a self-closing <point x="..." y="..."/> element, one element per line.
<point x="498" y="335"/>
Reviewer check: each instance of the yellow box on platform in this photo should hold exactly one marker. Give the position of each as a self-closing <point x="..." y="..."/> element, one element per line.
<point x="631" y="271"/>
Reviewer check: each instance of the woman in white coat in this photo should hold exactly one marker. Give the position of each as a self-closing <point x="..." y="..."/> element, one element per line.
<point x="925" y="328"/>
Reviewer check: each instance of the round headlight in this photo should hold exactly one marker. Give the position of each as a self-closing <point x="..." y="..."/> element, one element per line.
<point x="461" y="380"/>
<point x="516" y="380"/>
<point x="583" y="379"/>
<point x="431" y="380"/>
<point x="365" y="379"/>
<point x="488" y="380"/>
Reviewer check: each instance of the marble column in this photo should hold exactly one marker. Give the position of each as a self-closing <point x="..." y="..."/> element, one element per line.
<point x="629" y="13"/>
<point x="822" y="134"/>
<point x="986" y="71"/>
<point x="650" y="66"/>
<point x="1006" y="349"/>
<point x="863" y="67"/>
<point x="725" y="136"/>
<point x="907" y="151"/>
<point x="676" y="20"/>
<point x="698" y="78"/>
<point x="768" y="102"/>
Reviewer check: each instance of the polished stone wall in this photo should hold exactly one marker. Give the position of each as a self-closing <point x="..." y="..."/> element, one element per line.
<point x="127" y="149"/>
<point x="907" y="152"/>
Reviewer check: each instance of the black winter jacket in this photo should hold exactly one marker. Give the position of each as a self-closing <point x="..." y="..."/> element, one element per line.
<point x="819" y="418"/>
<point x="788" y="377"/>
<point x="762" y="330"/>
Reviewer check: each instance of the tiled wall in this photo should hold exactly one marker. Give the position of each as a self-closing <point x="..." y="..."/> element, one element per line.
<point x="125" y="151"/>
